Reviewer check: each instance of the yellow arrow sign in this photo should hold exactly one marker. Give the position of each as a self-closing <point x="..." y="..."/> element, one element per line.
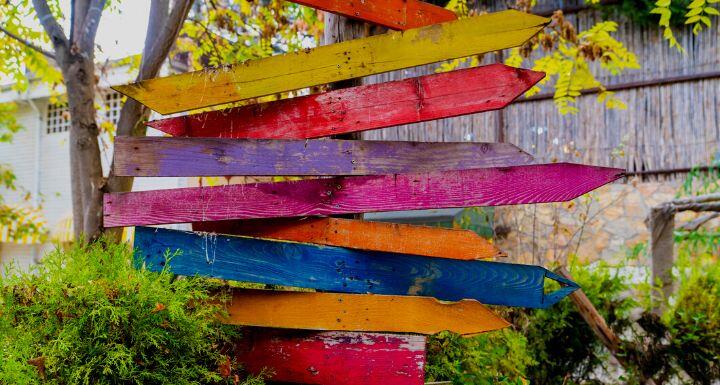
<point x="336" y="62"/>
<point x="359" y="312"/>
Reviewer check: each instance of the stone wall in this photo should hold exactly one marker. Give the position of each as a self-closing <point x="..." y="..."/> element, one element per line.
<point x="601" y="225"/>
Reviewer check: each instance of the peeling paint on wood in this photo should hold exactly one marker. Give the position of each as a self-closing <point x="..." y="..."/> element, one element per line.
<point x="359" y="312"/>
<point x="436" y="96"/>
<point x="364" y="235"/>
<point x="336" y="62"/>
<point x="554" y="182"/>
<point x="333" y="358"/>
<point x="393" y="14"/>
<point x="344" y="270"/>
<point x="179" y="157"/>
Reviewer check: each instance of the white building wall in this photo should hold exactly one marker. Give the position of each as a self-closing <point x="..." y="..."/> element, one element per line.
<point x="47" y="157"/>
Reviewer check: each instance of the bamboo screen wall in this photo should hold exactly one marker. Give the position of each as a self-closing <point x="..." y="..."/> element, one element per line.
<point x="668" y="126"/>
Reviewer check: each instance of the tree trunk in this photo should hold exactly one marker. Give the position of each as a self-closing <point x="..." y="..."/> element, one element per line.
<point x="86" y="167"/>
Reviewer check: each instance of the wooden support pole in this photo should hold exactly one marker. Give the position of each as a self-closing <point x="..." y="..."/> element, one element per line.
<point x="593" y="318"/>
<point x="661" y="224"/>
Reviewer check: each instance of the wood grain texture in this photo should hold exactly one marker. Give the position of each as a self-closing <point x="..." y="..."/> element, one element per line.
<point x="436" y="96"/>
<point x="180" y="157"/>
<point x="333" y="358"/>
<point x="346" y="195"/>
<point x="363" y="235"/>
<point x="393" y="14"/>
<point x="336" y="62"/>
<point x="343" y="270"/>
<point x="359" y="312"/>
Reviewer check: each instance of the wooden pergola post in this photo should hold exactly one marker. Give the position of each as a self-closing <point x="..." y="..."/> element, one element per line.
<point x="661" y="224"/>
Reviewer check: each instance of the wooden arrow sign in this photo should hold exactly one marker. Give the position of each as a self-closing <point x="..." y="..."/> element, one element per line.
<point x="436" y="96"/>
<point x="178" y="157"/>
<point x="359" y="312"/>
<point x="393" y="14"/>
<point x="343" y="270"/>
<point x="336" y="62"/>
<point x="363" y="235"/>
<point x="333" y="358"/>
<point x="344" y="195"/>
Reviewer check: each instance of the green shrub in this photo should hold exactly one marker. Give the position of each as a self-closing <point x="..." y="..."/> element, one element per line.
<point x="693" y="315"/>
<point x="86" y="316"/>
<point x="493" y="358"/>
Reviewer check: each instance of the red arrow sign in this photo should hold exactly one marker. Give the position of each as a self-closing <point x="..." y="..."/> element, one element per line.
<point x="394" y="14"/>
<point x="345" y="195"/>
<point x="362" y="108"/>
<point x="334" y="358"/>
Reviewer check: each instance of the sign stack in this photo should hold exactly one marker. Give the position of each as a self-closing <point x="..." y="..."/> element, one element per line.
<point x="370" y="278"/>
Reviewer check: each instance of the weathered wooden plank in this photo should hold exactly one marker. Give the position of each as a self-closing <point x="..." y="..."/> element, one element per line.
<point x="363" y="235"/>
<point x="436" y="96"/>
<point x="178" y="157"/>
<point x="336" y="62"/>
<point x="359" y="312"/>
<point x="344" y="270"/>
<point x="345" y="195"/>
<point x="333" y="358"/>
<point x="393" y="14"/>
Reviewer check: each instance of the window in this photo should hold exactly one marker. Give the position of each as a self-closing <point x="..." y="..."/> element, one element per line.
<point x="57" y="118"/>
<point x="58" y="115"/>
<point x="111" y="107"/>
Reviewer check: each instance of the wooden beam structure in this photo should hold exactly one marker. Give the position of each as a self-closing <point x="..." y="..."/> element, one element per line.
<point x="394" y="14"/>
<point x="436" y="96"/>
<point x="181" y="157"/>
<point x="542" y="183"/>
<point x="359" y="312"/>
<point x="363" y="235"/>
<point x="336" y="62"/>
<point x="333" y="358"/>
<point x="344" y="270"/>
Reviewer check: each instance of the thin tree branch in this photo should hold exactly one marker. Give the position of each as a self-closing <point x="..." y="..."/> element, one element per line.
<point x="134" y="114"/>
<point x="86" y="41"/>
<point x="78" y="11"/>
<point x="27" y="43"/>
<point x="695" y="224"/>
<point x="159" y="11"/>
<point x="50" y="24"/>
<point x="151" y="63"/>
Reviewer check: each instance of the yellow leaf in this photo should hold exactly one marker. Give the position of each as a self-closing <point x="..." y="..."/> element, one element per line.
<point x="712" y="11"/>
<point x="693" y="12"/>
<point x="245" y="7"/>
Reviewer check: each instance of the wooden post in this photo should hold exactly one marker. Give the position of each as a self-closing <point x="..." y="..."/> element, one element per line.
<point x="661" y="224"/>
<point x="500" y="113"/>
<point x="593" y="318"/>
<point x="338" y="29"/>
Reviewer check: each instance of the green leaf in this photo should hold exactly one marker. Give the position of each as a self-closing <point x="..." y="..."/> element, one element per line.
<point x="712" y="11"/>
<point x="692" y="20"/>
<point x="663" y="3"/>
<point x="706" y="20"/>
<point x="696" y="4"/>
